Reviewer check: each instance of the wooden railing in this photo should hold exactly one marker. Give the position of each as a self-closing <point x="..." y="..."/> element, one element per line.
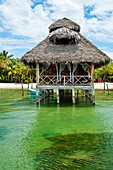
<point x="65" y="80"/>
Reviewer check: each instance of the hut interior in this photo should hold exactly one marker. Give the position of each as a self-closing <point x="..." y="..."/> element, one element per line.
<point x="65" y="74"/>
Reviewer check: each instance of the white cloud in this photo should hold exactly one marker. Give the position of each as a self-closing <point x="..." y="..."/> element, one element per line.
<point x="18" y="18"/>
<point x="16" y="46"/>
<point x="109" y="53"/>
<point x="99" y="27"/>
<point x="10" y="43"/>
<point x="21" y="19"/>
<point x="1" y="29"/>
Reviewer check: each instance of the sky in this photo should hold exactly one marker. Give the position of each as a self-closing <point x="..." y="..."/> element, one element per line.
<point x="24" y="23"/>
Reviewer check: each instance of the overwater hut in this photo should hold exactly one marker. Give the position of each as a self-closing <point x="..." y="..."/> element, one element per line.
<point x="65" y="60"/>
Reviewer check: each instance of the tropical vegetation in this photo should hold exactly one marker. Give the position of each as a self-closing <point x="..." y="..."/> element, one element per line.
<point x="104" y="74"/>
<point x="12" y="70"/>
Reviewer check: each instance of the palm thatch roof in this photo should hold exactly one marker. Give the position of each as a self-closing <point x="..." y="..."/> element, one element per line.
<point x="65" y="44"/>
<point x="64" y="34"/>
<point x="64" y="23"/>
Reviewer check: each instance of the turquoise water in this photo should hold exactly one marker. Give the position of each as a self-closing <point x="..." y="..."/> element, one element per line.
<point x="52" y="137"/>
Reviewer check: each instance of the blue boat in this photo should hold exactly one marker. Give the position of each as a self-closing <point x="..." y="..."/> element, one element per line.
<point x="33" y="92"/>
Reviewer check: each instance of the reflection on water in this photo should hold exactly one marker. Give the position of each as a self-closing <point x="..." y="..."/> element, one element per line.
<point x="64" y="137"/>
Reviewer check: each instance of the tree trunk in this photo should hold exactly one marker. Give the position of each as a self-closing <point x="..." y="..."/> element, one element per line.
<point x="31" y="80"/>
<point x="104" y="79"/>
<point x="22" y="88"/>
<point x="28" y="85"/>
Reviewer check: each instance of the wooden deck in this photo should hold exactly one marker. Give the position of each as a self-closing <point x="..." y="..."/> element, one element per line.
<point x="79" y="82"/>
<point x="82" y="87"/>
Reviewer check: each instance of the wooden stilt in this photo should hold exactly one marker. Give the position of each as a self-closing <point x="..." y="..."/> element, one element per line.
<point x="85" y="93"/>
<point x="37" y="92"/>
<point x="77" y="93"/>
<point x="92" y="74"/>
<point x="44" y="96"/>
<point x="37" y="83"/>
<point x="58" y="101"/>
<point x="73" y="96"/>
<point x="93" y="97"/>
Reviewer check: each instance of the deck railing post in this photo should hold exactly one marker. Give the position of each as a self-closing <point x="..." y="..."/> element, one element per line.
<point x="64" y="80"/>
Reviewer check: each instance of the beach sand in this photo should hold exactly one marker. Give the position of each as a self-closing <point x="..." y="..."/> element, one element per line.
<point x="15" y="86"/>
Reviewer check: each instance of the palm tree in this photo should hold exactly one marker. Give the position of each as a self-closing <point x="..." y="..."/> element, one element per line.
<point x="106" y="73"/>
<point x="5" y="60"/>
<point x="4" y="54"/>
<point x="12" y="70"/>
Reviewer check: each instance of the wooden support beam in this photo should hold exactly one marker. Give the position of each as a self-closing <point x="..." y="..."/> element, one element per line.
<point x="38" y="96"/>
<point x="92" y="74"/>
<point x="86" y="93"/>
<point x="77" y="93"/>
<point x="58" y="99"/>
<point x="92" y="83"/>
<point x="37" y="73"/>
<point x="64" y="80"/>
<point x="37" y="82"/>
<point x="93" y="97"/>
<point x="73" y="96"/>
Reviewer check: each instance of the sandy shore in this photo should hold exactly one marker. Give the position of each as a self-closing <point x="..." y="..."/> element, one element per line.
<point x="18" y="86"/>
<point x="15" y="85"/>
<point x="101" y="85"/>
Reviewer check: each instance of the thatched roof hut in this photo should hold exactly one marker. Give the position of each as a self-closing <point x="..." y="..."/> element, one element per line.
<point x="65" y="44"/>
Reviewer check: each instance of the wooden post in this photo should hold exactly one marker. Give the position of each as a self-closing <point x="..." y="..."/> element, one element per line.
<point x="86" y="93"/>
<point x="57" y="90"/>
<point x="64" y="80"/>
<point x="108" y="88"/>
<point x="37" y="73"/>
<point x="22" y="87"/>
<point x="77" y="93"/>
<point x="92" y="74"/>
<point x="44" y="95"/>
<point x="37" y="82"/>
<point x="93" y="97"/>
<point x="73" y="96"/>
<point x="92" y="83"/>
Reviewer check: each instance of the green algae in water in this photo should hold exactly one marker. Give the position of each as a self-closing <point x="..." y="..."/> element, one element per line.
<point x="77" y="151"/>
